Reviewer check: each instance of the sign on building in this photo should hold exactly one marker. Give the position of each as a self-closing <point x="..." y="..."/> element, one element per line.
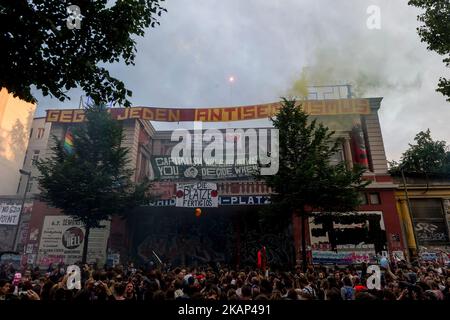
<point x="9" y="213"/>
<point x="197" y="195"/>
<point x="223" y="201"/>
<point x="164" y="168"/>
<point x="62" y="241"/>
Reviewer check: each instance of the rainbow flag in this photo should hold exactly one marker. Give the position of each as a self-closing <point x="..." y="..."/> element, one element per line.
<point x="68" y="142"/>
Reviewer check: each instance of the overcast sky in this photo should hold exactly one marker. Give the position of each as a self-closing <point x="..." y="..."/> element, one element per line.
<point x="265" y="44"/>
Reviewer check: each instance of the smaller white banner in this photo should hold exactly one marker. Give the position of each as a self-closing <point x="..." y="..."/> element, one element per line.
<point x="9" y="213"/>
<point x="197" y="195"/>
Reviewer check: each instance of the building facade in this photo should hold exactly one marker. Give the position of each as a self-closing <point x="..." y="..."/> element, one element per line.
<point x="232" y="231"/>
<point x="375" y="229"/>
<point x="16" y="117"/>
<point x="424" y="208"/>
<point x="37" y="147"/>
<point x="38" y="245"/>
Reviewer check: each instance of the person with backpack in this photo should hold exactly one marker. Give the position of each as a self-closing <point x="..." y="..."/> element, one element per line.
<point x="306" y="288"/>
<point x="347" y="291"/>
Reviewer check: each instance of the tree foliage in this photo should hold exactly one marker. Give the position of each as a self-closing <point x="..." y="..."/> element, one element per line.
<point x="93" y="181"/>
<point x="427" y="158"/>
<point x="307" y="180"/>
<point x="306" y="176"/>
<point x="39" y="49"/>
<point x="435" y="31"/>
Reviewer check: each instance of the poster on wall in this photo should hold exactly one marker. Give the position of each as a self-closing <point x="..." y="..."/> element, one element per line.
<point x="23" y="236"/>
<point x="9" y="220"/>
<point x="398" y="255"/>
<point x="62" y="241"/>
<point x="9" y="213"/>
<point x="197" y="195"/>
<point x="447" y="212"/>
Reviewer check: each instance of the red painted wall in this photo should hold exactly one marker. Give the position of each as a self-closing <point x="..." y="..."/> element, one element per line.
<point x="390" y="216"/>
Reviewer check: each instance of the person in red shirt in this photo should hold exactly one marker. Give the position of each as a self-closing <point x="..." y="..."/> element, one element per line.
<point x="262" y="259"/>
<point x="358" y="286"/>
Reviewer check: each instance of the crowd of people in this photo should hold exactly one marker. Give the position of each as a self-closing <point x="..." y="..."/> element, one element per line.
<point x="419" y="280"/>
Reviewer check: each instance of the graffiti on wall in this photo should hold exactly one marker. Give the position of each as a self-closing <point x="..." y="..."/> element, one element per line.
<point x="279" y="248"/>
<point x="183" y="239"/>
<point x="180" y="238"/>
<point x="430" y="231"/>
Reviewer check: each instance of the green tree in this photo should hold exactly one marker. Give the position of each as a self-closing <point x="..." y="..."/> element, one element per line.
<point x="435" y="31"/>
<point x="306" y="179"/>
<point x="426" y="158"/>
<point x="39" y="49"/>
<point x="91" y="181"/>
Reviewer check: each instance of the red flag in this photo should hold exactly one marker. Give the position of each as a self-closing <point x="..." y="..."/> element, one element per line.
<point x="262" y="259"/>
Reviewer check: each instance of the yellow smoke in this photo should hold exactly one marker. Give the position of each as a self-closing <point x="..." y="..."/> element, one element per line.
<point x="300" y="86"/>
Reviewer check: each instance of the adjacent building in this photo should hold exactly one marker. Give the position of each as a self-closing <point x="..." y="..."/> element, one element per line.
<point x="16" y="117"/>
<point x="424" y="208"/>
<point x="37" y="147"/>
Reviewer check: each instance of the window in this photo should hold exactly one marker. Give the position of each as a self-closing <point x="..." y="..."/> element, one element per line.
<point x="374" y="198"/>
<point x="427" y="208"/>
<point x="35" y="157"/>
<point x="363" y="198"/>
<point x="40" y="133"/>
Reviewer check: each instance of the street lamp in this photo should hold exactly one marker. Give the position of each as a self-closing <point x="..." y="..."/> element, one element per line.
<point x="28" y="174"/>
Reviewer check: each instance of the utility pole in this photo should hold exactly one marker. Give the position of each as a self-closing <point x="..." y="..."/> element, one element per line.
<point x="409" y="206"/>
<point x="16" y="240"/>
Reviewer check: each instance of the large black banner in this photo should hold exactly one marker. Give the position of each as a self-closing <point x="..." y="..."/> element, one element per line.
<point x="165" y="169"/>
<point x="225" y="235"/>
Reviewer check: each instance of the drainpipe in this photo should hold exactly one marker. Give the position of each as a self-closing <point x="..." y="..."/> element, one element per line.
<point x="409" y="214"/>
